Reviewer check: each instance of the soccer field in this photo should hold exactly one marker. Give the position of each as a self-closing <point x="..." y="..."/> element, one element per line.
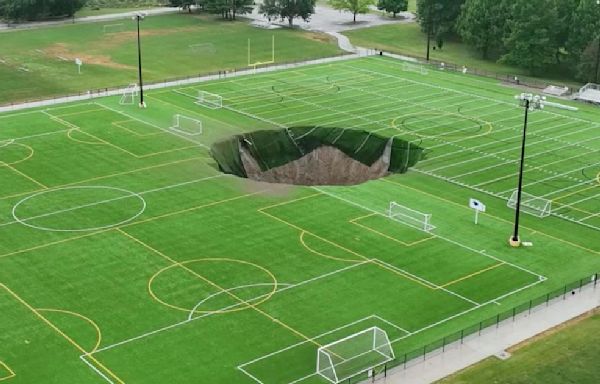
<point x="127" y="257"/>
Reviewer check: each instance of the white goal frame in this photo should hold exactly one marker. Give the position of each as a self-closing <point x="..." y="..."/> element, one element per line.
<point x="209" y="100"/>
<point x="413" y="67"/>
<point x="107" y="28"/>
<point x="186" y="125"/>
<point x="531" y="204"/>
<point x="129" y="94"/>
<point x="372" y="344"/>
<point x="410" y="217"/>
<point x="205" y="48"/>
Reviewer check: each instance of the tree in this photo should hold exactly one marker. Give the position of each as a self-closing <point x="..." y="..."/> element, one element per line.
<point x="288" y="9"/>
<point x="482" y="24"/>
<point x="393" y="6"/>
<point x="228" y="9"/>
<point x="353" y="6"/>
<point x="585" y="28"/>
<point x="566" y="17"/>
<point x="438" y="17"/>
<point x="38" y="9"/>
<point x="532" y="41"/>
<point x="587" y="69"/>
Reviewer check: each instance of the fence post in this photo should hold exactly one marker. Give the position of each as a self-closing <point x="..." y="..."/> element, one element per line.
<point x="565" y="293"/>
<point x="385" y="370"/>
<point x="595" y="280"/>
<point x="444" y="344"/>
<point x="405" y="361"/>
<point x="462" y="335"/>
<point x="580" y="285"/>
<point x="424" y="352"/>
<point x="514" y="312"/>
<point x="547" y="299"/>
<point x="497" y="320"/>
<point x="480" y="328"/>
<point x="530" y="306"/>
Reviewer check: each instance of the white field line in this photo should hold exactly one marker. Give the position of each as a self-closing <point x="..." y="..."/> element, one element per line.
<point x="537" y="168"/>
<point x="515" y="148"/>
<point x="579" y="202"/>
<point x="445" y="320"/>
<point x="564" y="174"/>
<point x="82" y="357"/>
<point x="21" y="138"/>
<point x="183" y="137"/>
<point x="482" y="253"/>
<point x="569" y="187"/>
<point x="532" y="155"/>
<point x="108" y="200"/>
<point x="427" y="281"/>
<point x="593" y="215"/>
<point x="178" y="324"/>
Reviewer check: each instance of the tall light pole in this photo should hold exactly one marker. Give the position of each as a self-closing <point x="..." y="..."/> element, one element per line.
<point x="597" y="54"/>
<point x="430" y="27"/>
<point x="139" y="16"/>
<point x="530" y="103"/>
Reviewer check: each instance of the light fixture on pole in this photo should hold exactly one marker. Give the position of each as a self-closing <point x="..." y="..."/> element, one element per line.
<point x="531" y="103"/>
<point x="139" y="16"/>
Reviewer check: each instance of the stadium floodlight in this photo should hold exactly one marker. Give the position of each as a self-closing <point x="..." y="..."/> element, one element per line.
<point x="352" y="355"/>
<point x="529" y="102"/>
<point x="139" y="16"/>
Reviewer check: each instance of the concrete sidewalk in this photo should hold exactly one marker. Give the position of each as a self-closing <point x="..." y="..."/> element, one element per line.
<point x="494" y="341"/>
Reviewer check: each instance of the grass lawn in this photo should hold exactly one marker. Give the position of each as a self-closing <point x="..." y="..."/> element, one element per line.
<point x="40" y="63"/>
<point x="568" y="356"/>
<point x="407" y="38"/>
<point x="126" y="256"/>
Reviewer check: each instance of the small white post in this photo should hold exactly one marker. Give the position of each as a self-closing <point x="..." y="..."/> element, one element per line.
<point x="78" y="62"/>
<point x="477" y="206"/>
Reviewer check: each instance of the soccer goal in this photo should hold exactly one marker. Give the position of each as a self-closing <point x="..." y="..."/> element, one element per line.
<point x="209" y="100"/>
<point x="418" y="68"/>
<point x="113" y="28"/>
<point x="410" y="217"/>
<point x="129" y="94"/>
<point x="531" y="204"/>
<point x="186" y="125"/>
<point x="352" y="355"/>
<point x="203" y="48"/>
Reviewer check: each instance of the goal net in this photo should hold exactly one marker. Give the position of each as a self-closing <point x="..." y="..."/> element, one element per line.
<point x="186" y="125"/>
<point x="418" y="68"/>
<point x="531" y="204"/>
<point x="203" y="48"/>
<point x="209" y="100"/>
<point x="129" y="95"/>
<point x="352" y="355"/>
<point x="410" y="217"/>
<point x="113" y="28"/>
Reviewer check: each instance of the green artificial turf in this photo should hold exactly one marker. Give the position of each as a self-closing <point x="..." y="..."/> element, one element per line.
<point x="40" y="63"/>
<point x="568" y="356"/>
<point x="126" y="256"/>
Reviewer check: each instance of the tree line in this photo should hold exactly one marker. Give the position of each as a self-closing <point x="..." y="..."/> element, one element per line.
<point x="21" y="10"/>
<point x="532" y="34"/>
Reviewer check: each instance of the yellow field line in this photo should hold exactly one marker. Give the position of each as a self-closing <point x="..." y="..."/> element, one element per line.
<point x="323" y="254"/>
<point x="65" y="336"/>
<point x="492" y="216"/>
<point x="383" y="266"/>
<point x="107" y="176"/>
<point x="80" y="112"/>
<point x="11" y="373"/>
<point x="292" y="201"/>
<point x="576" y="192"/>
<point x="355" y="222"/>
<point x="54" y="243"/>
<point x="85" y="318"/>
<point x="191" y="209"/>
<point x="119" y="124"/>
<point x="24" y="175"/>
<point x="472" y="274"/>
<point x="217" y="286"/>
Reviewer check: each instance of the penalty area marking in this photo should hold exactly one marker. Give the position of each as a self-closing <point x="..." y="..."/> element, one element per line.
<point x="242" y="305"/>
<point x="24" y="221"/>
<point x="84" y="318"/>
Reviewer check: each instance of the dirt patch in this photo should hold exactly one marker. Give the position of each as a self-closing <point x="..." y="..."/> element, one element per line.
<point x="116" y="39"/>
<point x="325" y="165"/>
<point x="320" y="37"/>
<point x="554" y="330"/>
<point x="60" y="50"/>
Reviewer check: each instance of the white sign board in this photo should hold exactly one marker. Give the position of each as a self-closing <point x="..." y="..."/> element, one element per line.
<point x="477" y="205"/>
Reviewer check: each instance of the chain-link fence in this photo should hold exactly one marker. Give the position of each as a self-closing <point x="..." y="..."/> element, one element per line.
<point x="408" y="358"/>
